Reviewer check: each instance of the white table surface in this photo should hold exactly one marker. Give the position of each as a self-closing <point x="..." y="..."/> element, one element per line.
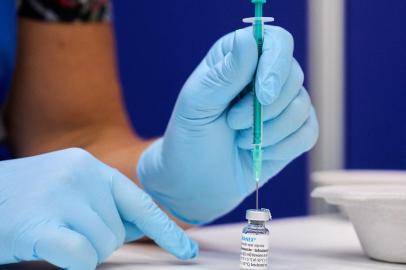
<point x="299" y="244"/>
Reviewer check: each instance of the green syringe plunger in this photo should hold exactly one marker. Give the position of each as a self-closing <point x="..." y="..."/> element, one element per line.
<point x="258" y="27"/>
<point x="257" y="107"/>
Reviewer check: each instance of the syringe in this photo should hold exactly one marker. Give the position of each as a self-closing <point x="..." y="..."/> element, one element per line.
<point x="258" y="25"/>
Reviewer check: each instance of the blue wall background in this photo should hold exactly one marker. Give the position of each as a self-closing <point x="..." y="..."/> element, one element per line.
<point x="376" y="84"/>
<point x="156" y="55"/>
<point x="158" y="52"/>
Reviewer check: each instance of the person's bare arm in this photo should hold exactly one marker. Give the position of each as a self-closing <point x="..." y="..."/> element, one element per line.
<point x="66" y="94"/>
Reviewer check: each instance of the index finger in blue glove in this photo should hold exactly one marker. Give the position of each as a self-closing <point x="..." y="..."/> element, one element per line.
<point x="136" y="207"/>
<point x="275" y="64"/>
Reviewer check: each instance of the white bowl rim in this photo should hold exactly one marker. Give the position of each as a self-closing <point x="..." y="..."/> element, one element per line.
<point x="356" y="177"/>
<point x="350" y="193"/>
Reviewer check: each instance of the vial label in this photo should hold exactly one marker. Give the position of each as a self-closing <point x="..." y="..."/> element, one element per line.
<point x="254" y="252"/>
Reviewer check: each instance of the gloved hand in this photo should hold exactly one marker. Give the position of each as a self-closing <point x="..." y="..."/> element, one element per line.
<point x="202" y="167"/>
<point x="73" y="211"/>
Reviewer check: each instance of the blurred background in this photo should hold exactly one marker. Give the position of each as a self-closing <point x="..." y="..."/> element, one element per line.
<point x="353" y="53"/>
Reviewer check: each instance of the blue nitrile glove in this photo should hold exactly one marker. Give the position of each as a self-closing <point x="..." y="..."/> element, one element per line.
<point x="72" y="210"/>
<point x="202" y="168"/>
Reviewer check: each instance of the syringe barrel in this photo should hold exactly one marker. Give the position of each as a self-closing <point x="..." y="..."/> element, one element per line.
<point x="257" y="161"/>
<point x="257" y="109"/>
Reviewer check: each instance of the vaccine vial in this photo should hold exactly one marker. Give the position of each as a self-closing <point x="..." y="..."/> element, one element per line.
<point x="255" y="240"/>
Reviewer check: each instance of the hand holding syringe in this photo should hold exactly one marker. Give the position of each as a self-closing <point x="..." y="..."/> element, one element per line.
<point x="203" y="167"/>
<point x="258" y="27"/>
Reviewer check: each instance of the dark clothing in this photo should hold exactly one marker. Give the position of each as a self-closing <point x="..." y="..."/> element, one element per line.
<point x="65" y="10"/>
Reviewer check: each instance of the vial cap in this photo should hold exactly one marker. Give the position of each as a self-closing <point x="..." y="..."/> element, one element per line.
<point x="262" y="214"/>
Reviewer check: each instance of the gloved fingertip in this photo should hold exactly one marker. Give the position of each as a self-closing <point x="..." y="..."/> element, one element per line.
<point x="231" y="122"/>
<point x="268" y="90"/>
<point x="245" y="49"/>
<point x="236" y="121"/>
<point x="244" y="40"/>
<point x="244" y="140"/>
<point x="278" y="34"/>
<point x="188" y="251"/>
<point x="193" y="251"/>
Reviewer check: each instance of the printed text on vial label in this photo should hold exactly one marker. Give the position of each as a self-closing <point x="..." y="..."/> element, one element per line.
<point x="254" y="252"/>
